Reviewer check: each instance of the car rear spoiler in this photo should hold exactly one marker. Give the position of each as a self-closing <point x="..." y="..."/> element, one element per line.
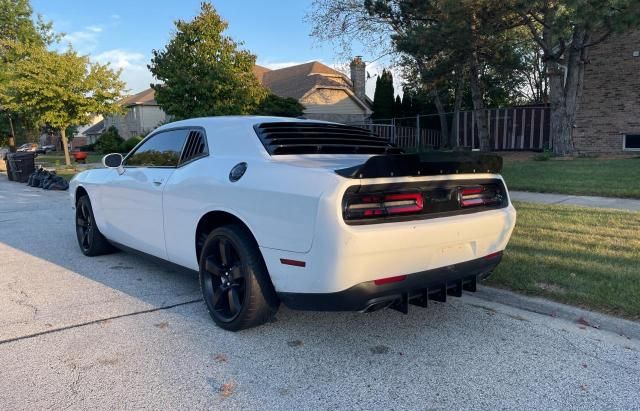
<point x="427" y="164"/>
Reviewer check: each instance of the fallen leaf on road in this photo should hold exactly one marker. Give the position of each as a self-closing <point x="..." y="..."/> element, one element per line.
<point x="226" y="389"/>
<point x="294" y="343"/>
<point x="220" y="358"/>
<point x="586" y="323"/>
<point x="162" y="325"/>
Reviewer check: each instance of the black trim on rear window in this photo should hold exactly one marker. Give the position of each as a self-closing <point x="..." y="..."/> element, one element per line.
<point x="280" y="138"/>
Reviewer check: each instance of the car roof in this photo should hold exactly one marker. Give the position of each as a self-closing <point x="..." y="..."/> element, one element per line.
<point x="233" y="135"/>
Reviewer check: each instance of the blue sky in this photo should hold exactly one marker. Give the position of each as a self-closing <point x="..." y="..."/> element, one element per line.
<point x="124" y="32"/>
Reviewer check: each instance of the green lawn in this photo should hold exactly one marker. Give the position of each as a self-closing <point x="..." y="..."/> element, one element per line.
<point x="608" y="178"/>
<point x="576" y="255"/>
<point x="54" y="159"/>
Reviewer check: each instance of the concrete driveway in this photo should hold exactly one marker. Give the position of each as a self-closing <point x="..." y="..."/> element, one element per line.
<point x="119" y="331"/>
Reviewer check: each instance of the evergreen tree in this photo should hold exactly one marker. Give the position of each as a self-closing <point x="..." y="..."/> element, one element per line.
<point x="383" y="101"/>
<point x="397" y="107"/>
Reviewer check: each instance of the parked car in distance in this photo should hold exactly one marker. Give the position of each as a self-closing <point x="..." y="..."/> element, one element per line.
<point x="315" y="215"/>
<point x="28" y="147"/>
<point x="46" y="149"/>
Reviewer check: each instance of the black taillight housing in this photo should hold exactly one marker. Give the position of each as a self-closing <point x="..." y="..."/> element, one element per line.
<point x="382" y="205"/>
<point x="371" y="204"/>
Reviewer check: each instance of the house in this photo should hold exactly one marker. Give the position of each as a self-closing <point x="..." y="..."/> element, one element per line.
<point x="93" y="132"/>
<point x="142" y="115"/>
<point x="89" y="133"/>
<point x="325" y="93"/>
<point x="608" y="115"/>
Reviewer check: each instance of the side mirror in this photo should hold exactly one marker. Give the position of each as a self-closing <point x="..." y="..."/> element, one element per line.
<point x="113" y="160"/>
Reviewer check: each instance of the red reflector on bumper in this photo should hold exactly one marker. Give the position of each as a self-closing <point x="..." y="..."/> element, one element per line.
<point x="493" y="255"/>
<point x="388" y="280"/>
<point x="294" y="263"/>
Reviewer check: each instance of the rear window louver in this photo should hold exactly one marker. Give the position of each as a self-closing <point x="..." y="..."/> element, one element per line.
<point x="320" y="138"/>
<point x="195" y="147"/>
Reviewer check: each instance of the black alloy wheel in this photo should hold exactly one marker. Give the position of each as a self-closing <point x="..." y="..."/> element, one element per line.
<point x="234" y="280"/>
<point x="90" y="239"/>
<point x="84" y="226"/>
<point x="224" y="283"/>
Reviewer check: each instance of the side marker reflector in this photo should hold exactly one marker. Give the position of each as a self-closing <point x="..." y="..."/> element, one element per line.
<point x="294" y="263"/>
<point x="389" y="280"/>
<point x="493" y="255"/>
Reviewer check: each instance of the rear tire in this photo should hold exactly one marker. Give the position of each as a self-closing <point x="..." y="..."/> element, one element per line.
<point x="234" y="280"/>
<point x="90" y="239"/>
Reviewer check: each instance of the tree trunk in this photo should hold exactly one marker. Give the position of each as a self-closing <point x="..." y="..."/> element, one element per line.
<point x="442" y="114"/>
<point x="478" y="104"/>
<point x="65" y="146"/>
<point x="454" y="138"/>
<point x="565" y="87"/>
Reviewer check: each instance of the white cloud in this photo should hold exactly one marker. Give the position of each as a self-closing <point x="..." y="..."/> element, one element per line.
<point x="94" y="29"/>
<point x="134" y="67"/>
<point x="84" y="41"/>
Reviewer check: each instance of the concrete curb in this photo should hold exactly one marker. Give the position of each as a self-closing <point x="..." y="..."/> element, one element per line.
<point x="627" y="328"/>
<point x="623" y="204"/>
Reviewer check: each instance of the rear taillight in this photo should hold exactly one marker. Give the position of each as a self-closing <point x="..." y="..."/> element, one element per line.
<point x="371" y="206"/>
<point x="382" y="203"/>
<point x="477" y="196"/>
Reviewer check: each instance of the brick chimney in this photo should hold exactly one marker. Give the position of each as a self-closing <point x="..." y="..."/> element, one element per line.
<point x="358" y="77"/>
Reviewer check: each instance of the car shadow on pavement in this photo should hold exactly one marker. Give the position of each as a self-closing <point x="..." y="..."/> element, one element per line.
<point x="43" y="262"/>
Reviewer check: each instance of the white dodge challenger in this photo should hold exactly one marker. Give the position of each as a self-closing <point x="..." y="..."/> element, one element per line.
<point x="318" y="216"/>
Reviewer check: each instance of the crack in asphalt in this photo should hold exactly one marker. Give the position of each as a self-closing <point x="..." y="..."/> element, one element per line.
<point x="92" y="322"/>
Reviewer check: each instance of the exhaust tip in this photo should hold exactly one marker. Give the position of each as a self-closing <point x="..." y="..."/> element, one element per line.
<point x="377" y="306"/>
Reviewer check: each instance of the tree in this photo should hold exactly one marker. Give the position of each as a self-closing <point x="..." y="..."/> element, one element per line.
<point x="565" y="30"/>
<point x="61" y="90"/>
<point x="202" y="72"/>
<point x="273" y="105"/>
<point x="444" y="47"/>
<point x="383" y="96"/>
<point x="397" y="107"/>
<point x="19" y="33"/>
<point x="109" y="141"/>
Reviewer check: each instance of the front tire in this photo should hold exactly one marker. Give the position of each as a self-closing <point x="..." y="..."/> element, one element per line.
<point x="234" y="280"/>
<point x="90" y="239"/>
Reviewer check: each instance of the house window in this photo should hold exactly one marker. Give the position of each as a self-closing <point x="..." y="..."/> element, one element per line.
<point x="631" y="142"/>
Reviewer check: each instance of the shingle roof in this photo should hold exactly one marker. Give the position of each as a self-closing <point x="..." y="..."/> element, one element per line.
<point x="144" y="98"/>
<point x="296" y="81"/>
<point x="259" y="71"/>
<point x="95" y="129"/>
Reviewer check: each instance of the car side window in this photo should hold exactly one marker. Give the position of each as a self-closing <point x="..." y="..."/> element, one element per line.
<point x="161" y="150"/>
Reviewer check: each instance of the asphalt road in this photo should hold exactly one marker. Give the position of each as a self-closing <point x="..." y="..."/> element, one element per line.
<point x="119" y="331"/>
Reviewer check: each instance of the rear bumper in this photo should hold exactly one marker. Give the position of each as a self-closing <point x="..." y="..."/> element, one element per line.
<point x="417" y="289"/>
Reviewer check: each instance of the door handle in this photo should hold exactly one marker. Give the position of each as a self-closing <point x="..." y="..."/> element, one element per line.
<point x="157" y="182"/>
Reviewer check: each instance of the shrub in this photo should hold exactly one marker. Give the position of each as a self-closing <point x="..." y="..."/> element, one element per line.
<point x="544" y="156"/>
<point x="109" y="141"/>
<point x="129" y="144"/>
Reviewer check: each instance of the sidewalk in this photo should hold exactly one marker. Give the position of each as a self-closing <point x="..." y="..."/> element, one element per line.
<point x="624" y="204"/>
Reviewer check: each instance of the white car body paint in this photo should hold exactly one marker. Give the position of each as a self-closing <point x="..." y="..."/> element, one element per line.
<point x="292" y="204"/>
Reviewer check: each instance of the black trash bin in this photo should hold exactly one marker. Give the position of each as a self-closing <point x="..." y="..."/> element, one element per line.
<point x="20" y="166"/>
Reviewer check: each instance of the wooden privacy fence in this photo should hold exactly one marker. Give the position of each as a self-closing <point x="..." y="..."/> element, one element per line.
<point x="516" y="128"/>
<point x="406" y="137"/>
